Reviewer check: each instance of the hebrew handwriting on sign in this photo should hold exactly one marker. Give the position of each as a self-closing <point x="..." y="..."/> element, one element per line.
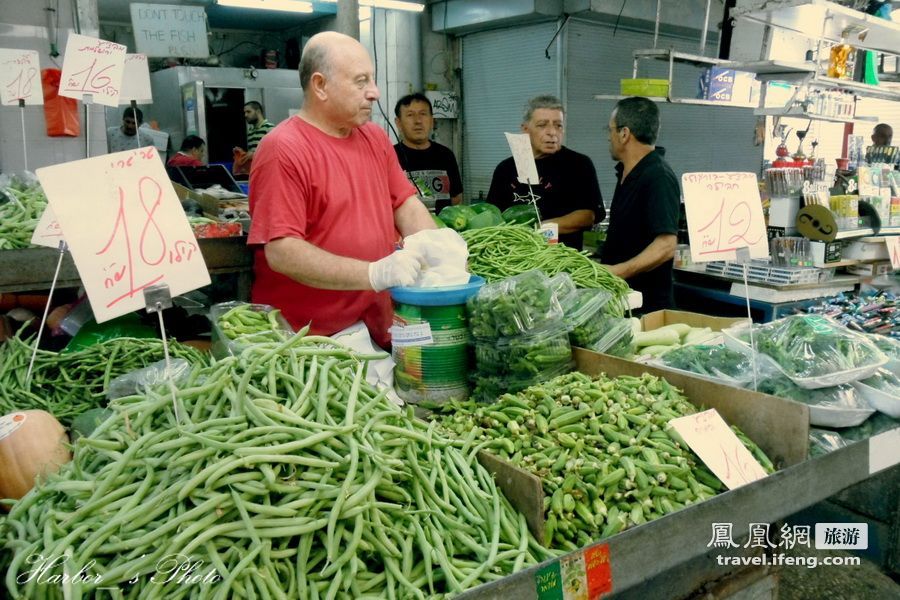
<point x="724" y="213"/>
<point x="20" y="78"/>
<point x="125" y="228"/>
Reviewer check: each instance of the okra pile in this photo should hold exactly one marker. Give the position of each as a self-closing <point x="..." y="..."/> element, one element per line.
<point x="279" y="473"/>
<point x="602" y="448"/>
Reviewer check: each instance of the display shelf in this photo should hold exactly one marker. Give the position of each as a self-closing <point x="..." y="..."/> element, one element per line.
<point x="655" y="549"/>
<point x="880" y="92"/>
<point x="799" y="113"/>
<point x="853" y="233"/>
<point x="776" y="69"/>
<point x="825" y="20"/>
<point x="695" y="101"/>
<point x="667" y="54"/>
<point x="32" y="268"/>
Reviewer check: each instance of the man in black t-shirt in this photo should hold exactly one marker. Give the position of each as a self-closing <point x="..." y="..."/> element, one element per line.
<point x="643" y="217"/>
<point x="568" y="193"/>
<point x="430" y="166"/>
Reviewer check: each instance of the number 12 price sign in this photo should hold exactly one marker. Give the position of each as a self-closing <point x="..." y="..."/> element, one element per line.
<point x="724" y="213"/>
<point x="125" y="228"/>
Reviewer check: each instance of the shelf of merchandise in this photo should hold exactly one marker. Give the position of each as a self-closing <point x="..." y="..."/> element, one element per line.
<point x="31" y="269"/>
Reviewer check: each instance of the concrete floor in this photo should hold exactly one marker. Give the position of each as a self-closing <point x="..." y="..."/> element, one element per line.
<point x="832" y="582"/>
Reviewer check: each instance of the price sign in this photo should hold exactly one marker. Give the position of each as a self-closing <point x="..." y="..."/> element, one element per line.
<point x="136" y="80"/>
<point x="125" y="228"/>
<point x="20" y="77"/>
<point x="48" y="231"/>
<point x="520" y="145"/>
<point x="893" y="248"/>
<point x="94" y="67"/>
<point x="724" y="213"/>
<point x="710" y="437"/>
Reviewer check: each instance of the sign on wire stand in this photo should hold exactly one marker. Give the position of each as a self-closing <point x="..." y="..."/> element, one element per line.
<point x="48" y="231"/>
<point x="92" y="67"/>
<point x="136" y="80"/>
<point x="716" y="444"/>
<point x="125" y="228"/>
<point x="724" y="213"/>
<point x="20" y="77"/>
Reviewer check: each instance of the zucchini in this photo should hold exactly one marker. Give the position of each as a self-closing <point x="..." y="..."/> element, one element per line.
<point x="656" y="337"/>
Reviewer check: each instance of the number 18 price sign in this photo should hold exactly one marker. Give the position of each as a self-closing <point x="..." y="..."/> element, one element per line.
<point x="20" y="77"/>
<point x="125" y="228"/>
<point x="724" y="213"/>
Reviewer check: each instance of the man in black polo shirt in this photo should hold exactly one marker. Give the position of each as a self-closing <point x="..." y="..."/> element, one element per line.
<point x="643" y="221"/>
<point x="430" y="166"/>
<point x="568" y="193"/>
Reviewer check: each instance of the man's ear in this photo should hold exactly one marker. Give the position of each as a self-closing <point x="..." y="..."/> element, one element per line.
<point x="524" y="127"/>
<point x="317" y="85"/>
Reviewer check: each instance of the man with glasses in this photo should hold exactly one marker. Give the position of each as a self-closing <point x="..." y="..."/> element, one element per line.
<point x="643" y="217"/>
<point x="568" y="193"/>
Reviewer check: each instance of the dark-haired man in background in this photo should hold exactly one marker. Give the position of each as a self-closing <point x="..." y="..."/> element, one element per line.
<point x="643" y="217"/>
<point x="431" y="167"/>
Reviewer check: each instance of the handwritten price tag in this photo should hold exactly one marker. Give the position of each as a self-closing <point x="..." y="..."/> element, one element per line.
<point x="20" y="77"/>
<point x="710" y="437"/>
<point x="92" y="66"/>
<point x="125" y="228"/>
<point x="520" y="145"/>
<point x="48" y="231"/>
<point x="724" y="213"/>
<point x="136" y="80"/>
<point x="893" y="248"/>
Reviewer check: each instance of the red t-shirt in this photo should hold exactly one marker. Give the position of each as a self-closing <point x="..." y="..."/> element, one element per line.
<point x="338" y="194"/>
<point x="183" y="160"/>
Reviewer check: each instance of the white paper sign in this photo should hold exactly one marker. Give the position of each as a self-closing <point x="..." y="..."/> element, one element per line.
<point x="20" y="77"/>
<point x="136" y="80"/>
<point x="520" y="145"/>
<point x="724" y="213"/>
<point x="884" y="450"/>
<point x="92" y="66"/>
<point x="48" y="231"/>
<point x="418" y="334"/>
<point x="710" y="437"/>
<point x="550" y="231"/>
<point x="893" y="248"/>
<point x="125" y="228"/>
<point x="170" y="30"/>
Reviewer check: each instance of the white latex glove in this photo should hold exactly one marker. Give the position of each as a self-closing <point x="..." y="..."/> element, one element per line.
<point x="399" y="269"/>
<point x="439" y="246"/>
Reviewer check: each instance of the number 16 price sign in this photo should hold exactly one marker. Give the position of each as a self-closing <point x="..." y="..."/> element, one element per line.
<point x="92" y="67"/>
<point x="724" y="213"/>
<point x="125" y="228"/>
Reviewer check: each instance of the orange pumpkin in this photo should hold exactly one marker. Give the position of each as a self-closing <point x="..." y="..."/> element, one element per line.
<point x="32" y="443"/>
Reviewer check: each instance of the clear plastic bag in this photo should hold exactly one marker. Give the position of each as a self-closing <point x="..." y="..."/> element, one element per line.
<point x="525" y="356"/>
<point x="149" y="377"/>
<point x="837" y="406"/>
<point x="586" y="316"/>
<point x="817" y="352"/>
<point x="232" y="333"/>
<point x="882" y="392"/>
<point x="513" y="306"/>
<point x="713" y="362"/>
<point x="823" y="441"/>
<point x="616" y="339"/>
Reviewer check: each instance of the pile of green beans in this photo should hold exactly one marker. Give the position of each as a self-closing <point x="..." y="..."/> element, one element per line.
<point x="260" y="325"/>
<point x="66" y="384"/>
<point x="502" y="251"/>
<point x="277" y="474"/>
<point x="20" y="211"/>
<point x="602" y="447"/>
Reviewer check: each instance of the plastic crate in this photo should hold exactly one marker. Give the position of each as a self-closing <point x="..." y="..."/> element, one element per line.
<point x="645" y="87"/>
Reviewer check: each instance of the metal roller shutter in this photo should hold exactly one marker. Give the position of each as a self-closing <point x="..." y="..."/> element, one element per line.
<point x="696" y="138"/>
<point x="502" y="69"/>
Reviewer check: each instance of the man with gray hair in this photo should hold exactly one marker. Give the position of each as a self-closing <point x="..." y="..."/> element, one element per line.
<point x="568" y="193"/>
<point x="327" y="196"/>
<point x="643" y="217"/>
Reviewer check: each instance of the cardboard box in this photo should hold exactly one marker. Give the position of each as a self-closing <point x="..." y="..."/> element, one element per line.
<point x="779" y="427"/>
<point x="215" y="207"/>
<point x="866" y="251"/>
<point x="660" y="318"/>
<point x="783" y="211"/>
<point x="874" y="269"/>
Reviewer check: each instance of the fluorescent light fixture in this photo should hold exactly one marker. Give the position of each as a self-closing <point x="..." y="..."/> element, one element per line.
<point x="282" y="5"/>
<point x="389" y="4"/>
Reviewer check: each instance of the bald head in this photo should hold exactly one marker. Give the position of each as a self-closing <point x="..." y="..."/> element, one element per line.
<point x="321" y="52"/>
<point x="338" y="81"/>
<point x="882" y="135"/>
